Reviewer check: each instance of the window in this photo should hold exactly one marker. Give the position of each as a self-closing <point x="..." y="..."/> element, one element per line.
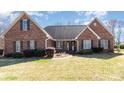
<point x="18" y="46"/>
<point x="67" y="45"/>
<point x="25" y="25"/>
<point x="32" y="44"/>
<point x="86" y="44"/>
<point x="59" y="44"/>
<point x="104" y="44"/>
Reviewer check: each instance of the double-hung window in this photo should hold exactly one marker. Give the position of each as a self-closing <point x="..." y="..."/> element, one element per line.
<point x="32" y="44"/>
<point x="104" y="44"/>
<point x="24" y="24"/>
<point x="86" y="44"/>
<point x="17" y="46"/>
<point x="59" y="44"/>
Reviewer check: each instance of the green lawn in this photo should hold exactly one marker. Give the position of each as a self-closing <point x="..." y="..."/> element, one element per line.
<point x="86" y="67"/>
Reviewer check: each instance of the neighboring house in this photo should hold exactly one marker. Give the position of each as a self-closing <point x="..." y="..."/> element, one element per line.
<point x="24" y="33"/>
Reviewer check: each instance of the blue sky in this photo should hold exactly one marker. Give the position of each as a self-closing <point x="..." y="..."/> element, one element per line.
<point x="63" y="17"/>
<point x="46" y="18"/>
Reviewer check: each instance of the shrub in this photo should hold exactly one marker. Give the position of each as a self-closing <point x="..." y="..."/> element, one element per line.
<point x="97" y="50"/>
<point x="116" y="46"/>
<point x="122" y="46"/>
<point x="60" y="51"/>
<point x="50" y="52"/>
<point x="17" y="55"/>
<point x="14" y="55"/>
<point x="29" y="53"/>
<point x="1" y="51"/>
<point x="39" y="53"/>
<point x="85" y="52"/>
<point x="8" y="55"/>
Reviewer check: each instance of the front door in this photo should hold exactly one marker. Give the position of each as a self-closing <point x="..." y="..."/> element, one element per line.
<point x="71" y="46"/>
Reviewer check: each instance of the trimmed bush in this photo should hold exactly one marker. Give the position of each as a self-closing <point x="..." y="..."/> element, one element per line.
<point x="17" y="55"/>
<point x="116" y="46"/>
<point x="85" y="52"/>
<point x="50" y="52"/>
<point x="8" y="55"/>
<point x="39" y="53"/>
<point x="97" y="50"/>
<point x="1" y="51"/>
<point x="122" y="46"/>
<point x="14" y="55"/>
<point x="29" y="53"/>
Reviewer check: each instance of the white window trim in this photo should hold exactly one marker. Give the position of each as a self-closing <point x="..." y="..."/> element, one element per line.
<point x="32" y="44"/>
<point x="67" y="45"/>
<point x="104" y="44"/>
<point x="18" y="46"/>
<point x="59" y="44"/>
<point x="24" y="29"/>
<point x="87" y="44"/>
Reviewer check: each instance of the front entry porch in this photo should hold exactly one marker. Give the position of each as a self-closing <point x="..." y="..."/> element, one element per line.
<point x="68" y="46"/>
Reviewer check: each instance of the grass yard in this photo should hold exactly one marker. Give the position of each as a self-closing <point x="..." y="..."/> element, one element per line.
<point x="86" y="67"/>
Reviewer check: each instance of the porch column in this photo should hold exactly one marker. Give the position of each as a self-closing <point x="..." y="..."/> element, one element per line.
<point x="46" y="43"/>
<point x="77" y="45"/>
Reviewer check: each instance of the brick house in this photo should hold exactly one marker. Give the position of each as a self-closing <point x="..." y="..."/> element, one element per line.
<point x="24" y="33"/>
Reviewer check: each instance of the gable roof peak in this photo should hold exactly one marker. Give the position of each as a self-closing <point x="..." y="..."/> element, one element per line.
<point x="18" y="18"/>
<point x="101" y="23"/>
<point x="24" y="12"/>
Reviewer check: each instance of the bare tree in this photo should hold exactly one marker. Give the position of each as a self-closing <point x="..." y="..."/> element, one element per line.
<point x="112" y="24"/>
<point x="119" y="31"/>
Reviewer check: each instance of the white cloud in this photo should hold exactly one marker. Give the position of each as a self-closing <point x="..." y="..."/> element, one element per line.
<point x="38" y="14"/>
<point x="12" y="16"/>
<point x="46" y="17"/>
<point x="80" y="13"/>
<point x="86" y="22"/>
<point x="1" y="23"/>
<point x="51" y="12"/>
<point x="5" y="13"/>
<point x="77" y="21"/>
<point x="98" y="14"/>
<point x="87" y="16"/>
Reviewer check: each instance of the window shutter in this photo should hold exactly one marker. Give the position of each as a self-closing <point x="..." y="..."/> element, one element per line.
<point x="35" y="44"/>
<point x="54" y="43"/>
<point x="28" y="44"/>
<point x="92" y="44"/>
<point x="21" y="46"/>
<point x="21" y="25"/>
<point x="82" y="44"/>
<point x="109" y="44"/>
<point x="14" y="46"/>
<point x="63" y="44"/>
<point x="28" y="23"/>
<point x="99" y="42"/>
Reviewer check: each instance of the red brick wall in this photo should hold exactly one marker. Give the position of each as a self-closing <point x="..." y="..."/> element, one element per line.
<point x="14" y="34"/>
<point x="88" y="35"/>
<point x="50" y="43"/>
<point x="101" y="31"/>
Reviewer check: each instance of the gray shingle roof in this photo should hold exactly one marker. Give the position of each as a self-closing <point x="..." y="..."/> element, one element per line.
<point x="64" y="31"/>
